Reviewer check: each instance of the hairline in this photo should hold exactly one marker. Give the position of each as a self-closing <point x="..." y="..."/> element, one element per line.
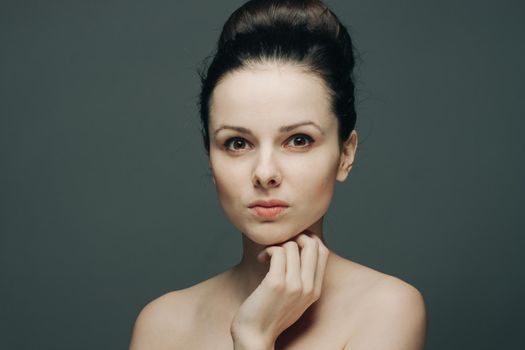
<point x="262" y="64"/>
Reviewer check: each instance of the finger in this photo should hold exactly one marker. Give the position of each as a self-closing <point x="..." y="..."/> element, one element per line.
<point x="309" y="256"/>
<point x="293" y="264"/>
<point x="322" y="261"/>
<point x="263" y="256"/>
<point x="277" y="269"/>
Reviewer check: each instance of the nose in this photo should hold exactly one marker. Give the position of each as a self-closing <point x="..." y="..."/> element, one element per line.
<point x="266" y="173"/>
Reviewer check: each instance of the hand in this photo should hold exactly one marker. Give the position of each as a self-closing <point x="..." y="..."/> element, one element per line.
<point x="293" y="283"/>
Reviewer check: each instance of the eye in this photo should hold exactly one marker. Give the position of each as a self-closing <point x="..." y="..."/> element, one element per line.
<point x="235" y="144"/>
<point x="301" y="140"/>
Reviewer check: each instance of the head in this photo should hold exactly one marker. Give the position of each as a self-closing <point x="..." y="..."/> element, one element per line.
<point x="278" y="115"/>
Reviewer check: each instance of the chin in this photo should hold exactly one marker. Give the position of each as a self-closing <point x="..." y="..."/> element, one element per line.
<point x="273" y="232"/>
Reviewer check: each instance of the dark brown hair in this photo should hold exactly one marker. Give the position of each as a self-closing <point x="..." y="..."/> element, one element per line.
<point x="302" y="32"/>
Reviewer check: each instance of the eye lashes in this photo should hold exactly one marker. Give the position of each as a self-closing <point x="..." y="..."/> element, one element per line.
<point x="229" y="141"/>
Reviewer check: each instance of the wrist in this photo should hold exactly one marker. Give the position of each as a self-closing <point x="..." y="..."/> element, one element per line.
<point x="244" y="339"/>
<point x="250" y="345"/>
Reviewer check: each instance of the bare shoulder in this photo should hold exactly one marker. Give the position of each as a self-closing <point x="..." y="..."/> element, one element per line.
<point x="171" y="320"/>
<point x="162" y="321"/>
<point x="391" y="313"/>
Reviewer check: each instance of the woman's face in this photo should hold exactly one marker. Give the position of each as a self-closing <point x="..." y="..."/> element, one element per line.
<point x="274" y="137"/>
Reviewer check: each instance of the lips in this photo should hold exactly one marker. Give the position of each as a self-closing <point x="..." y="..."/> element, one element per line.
<point x="268" y="212"/>
<point x="268" y="203"/>
<point x="268" y="208"/>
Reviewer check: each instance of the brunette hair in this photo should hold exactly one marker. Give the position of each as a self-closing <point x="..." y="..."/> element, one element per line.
<point x="302" y="32"/>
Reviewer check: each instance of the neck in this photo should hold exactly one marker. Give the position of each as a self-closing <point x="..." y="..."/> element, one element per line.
<point x="250" y="272"/>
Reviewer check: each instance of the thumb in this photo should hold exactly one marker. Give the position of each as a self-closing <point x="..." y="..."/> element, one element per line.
<point x="264" y="256"/>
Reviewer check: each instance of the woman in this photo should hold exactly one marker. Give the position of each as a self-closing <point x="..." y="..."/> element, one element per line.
<point x="278" y="117"/>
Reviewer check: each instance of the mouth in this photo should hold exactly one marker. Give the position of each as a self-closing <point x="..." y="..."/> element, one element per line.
<point x="269" y="208"/>
<point x="268" y="212"/>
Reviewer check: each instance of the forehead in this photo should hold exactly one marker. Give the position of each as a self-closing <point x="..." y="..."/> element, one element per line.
<point x="271" y="93"/>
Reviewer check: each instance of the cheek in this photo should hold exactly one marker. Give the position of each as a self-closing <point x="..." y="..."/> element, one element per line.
<point x="320" y="187"/>
<point x="227" y="179"/>
<point x="314" y="181"/>
<point x="223" y="185"/>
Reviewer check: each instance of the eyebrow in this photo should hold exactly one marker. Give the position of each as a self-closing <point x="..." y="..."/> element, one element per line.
<point x="282" y="129"/>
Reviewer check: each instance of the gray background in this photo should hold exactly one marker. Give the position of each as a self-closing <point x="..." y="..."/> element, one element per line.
<point x="106" y="200"/>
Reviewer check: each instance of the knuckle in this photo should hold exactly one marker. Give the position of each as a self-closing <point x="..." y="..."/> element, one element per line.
<point x="308" y="241"/>
<point x="308" y="291"/>
<point x="303" y="236"/>
<point x="311" y="239"/>
<point x="290" y="245"/>
<point x="313" y="243"/>
<point x="294" y="290"/>
<point x="302" y="239"/>
<point x="278" y="250"/>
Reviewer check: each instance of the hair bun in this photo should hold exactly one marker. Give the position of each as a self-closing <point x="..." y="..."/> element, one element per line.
<point x="257" y="17"/>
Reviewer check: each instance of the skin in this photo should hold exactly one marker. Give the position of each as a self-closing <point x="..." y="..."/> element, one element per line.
<point x="289" y="291"/>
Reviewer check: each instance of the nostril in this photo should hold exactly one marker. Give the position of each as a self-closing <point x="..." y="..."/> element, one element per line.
<point x="272" y="182"/>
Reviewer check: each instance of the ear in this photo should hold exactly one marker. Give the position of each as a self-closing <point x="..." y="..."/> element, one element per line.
<point x="347" y="157"/>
